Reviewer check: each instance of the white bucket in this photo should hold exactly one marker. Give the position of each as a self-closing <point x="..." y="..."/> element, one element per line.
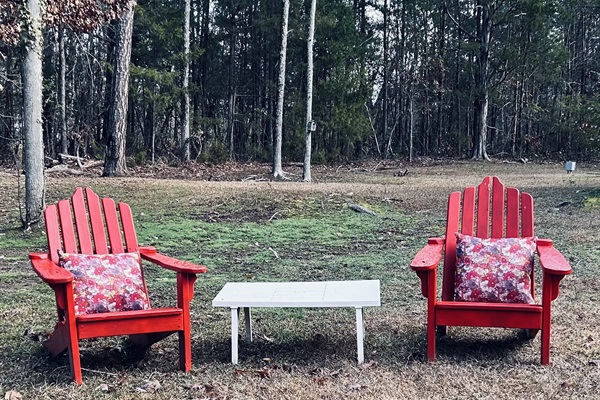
<point x="570" y="166"/>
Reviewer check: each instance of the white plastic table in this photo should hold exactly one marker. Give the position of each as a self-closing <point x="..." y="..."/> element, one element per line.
<point x="236" y="295"/>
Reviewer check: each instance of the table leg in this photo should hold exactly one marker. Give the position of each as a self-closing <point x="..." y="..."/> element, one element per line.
<point x="360" y="332"/>
<point x="234" y="335"/>
<point x="248" y="323"/>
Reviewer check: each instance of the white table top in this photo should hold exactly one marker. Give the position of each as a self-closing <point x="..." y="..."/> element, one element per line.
<point x="299" y="294"/>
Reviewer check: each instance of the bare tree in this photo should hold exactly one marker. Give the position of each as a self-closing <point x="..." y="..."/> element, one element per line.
<point x="32" y="115"/>
<point x="277" y="169"/>
<point x="309" y="93"/>
<point x="62" y="96"/>
<point x="114" y="164"/>
<point x="185" y="120"/>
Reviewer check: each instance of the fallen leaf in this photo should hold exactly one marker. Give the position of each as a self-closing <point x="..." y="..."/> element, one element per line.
<point x="595" y="363"/>
<point x="150" y="386"/>
<point x="321" y="380"/>
<point x="103" y="388"/>
<point x="370" y="364"/>
<point x="267" y="359"/>
<point x="12" y="395"/>
<point x="567" y="385"/>
<point x="355" y="386"/>
<point x="268" y="339"/>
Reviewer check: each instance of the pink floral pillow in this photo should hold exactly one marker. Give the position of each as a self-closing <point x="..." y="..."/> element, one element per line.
<point x="494" y="270"/>
<point x="106" y="282"/>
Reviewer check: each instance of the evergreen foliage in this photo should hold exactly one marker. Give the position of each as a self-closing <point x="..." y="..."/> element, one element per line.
<point x="542" y="79"/>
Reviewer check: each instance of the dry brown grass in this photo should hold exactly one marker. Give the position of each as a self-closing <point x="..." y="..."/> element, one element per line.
<point x="312" y="351"/>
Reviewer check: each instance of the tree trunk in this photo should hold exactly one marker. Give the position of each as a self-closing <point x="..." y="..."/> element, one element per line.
<point x="32" y="117"/>
<point x="388" y="147"/>
<point x="185" y="120"/>
<point x="114" y="164"/>
<point x="277" y="169"/>
<point x="232" y="87"/>
<point x="62" y="97"/>
<point x="484" y="26"/>
<point x="309" y="93"/>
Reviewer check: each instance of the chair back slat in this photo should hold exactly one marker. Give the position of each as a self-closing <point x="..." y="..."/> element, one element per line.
<point x="66" y="226"/>
<point x="112" y="225"/>
<point x="98" y="232"/>
<point x="512" y="212"/>
<point x="450" y="253"/>
<point x="511" y="216"/>
<point x="483" y="208"/>
<point x="497" y="208"/>
<point x="468" y="211"/>
<point x="131" y="243"/>
<point x="81" y="222"/>
<point x="526" y="215"/>
<point x="52" y="232"/>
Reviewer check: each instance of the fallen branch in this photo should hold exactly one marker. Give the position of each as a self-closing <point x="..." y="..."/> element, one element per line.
<point x="274" y="252"/>
<point x="361" y="209"/>
<point x="63" y="168"/>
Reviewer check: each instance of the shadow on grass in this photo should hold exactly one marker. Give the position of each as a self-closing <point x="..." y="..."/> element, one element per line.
<point x="464" y="345"/>
<point x="300" y="351"/>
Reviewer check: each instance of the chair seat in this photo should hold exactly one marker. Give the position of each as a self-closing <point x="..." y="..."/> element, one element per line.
<point x="130" y="322"/>
<point x="501" y="315"/>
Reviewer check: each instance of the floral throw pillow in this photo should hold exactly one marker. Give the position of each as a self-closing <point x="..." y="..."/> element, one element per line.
<point x="494" y="270"/>
<point x="106" y="282"/>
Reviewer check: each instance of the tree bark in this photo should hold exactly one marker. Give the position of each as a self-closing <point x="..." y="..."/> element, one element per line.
<point x="277" y="169"/>
<point x="309" y="93"/>
<point x="62" y="97"/>
<point x="32" y="117"/>
<point x="484" y="34"/>
<point x="185" y="120"/>
<point x="115" y="164"/>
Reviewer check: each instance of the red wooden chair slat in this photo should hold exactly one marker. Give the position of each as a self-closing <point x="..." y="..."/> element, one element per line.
<point x="52" y="232"/>
<point x="512" y="212"/>
<point x="131" y="243"/>
<point x="497" y="209"/>
<point x="144" y="327"/>
<point x="468" y="211"/>
<point x="526" y="215"/>
<point x="511" y="216"/>
<point x="66" y="226"/>
<point x="81" y="222"/>
<point x="483" y="209"/>
<point x="97" y="222"/>
<point x="112" y="226"/>
<point x="450" y="254"/>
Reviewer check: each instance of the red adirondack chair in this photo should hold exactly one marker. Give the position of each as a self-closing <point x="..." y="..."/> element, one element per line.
<point x="144" y="325"/>
<point x="488" y="211"/>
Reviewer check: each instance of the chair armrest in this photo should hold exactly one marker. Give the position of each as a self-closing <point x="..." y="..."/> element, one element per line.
<point x="551" y="260"/>
<point x="429" y="256"/>
<point x="150" y="254"/>
<point x="50" y="273"/>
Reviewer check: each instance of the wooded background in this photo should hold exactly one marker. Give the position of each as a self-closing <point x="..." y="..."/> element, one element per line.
<point x="391" y="79"/>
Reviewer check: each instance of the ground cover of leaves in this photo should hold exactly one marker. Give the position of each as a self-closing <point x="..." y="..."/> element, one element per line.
<point x="245" y="227"/>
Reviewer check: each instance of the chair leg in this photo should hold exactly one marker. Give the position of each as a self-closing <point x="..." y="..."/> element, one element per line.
<point x="431" y="342"/>
<point x="185" y="350"/>
<point x="74" y="356"/>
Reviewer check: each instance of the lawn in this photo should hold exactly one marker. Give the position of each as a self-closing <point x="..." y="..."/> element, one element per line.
<point x="244" y="227"/>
